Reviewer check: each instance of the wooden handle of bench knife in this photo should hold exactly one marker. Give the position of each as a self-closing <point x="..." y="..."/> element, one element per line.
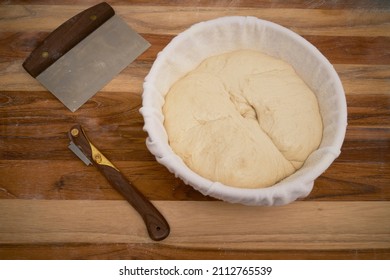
<point x="66" y="36"/>
<point x="157" y="226"/>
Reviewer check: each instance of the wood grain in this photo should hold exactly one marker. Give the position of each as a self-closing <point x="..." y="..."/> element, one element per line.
<point x="52" y="206"/>
<point x="369" y="63"/>
<point x="305" y="4"/>
<point x="119" y="251"/>
<point x="265" y="228"/>
<point x="175" y="19"/>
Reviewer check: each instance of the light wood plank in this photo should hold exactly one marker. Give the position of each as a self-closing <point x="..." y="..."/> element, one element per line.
<point x="206" y="225"/>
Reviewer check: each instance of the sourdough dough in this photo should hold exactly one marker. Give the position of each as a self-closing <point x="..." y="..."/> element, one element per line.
<point x="244" y="119"/>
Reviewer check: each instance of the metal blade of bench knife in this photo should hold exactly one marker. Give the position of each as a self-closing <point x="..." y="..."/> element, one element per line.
<point x="79" y="153"/>
<point x="94" y="62"/>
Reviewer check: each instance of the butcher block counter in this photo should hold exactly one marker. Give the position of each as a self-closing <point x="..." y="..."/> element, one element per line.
<point x="53" y="206"/>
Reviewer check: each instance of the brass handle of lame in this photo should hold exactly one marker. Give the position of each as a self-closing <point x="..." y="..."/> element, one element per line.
<point x="158" y="228"/>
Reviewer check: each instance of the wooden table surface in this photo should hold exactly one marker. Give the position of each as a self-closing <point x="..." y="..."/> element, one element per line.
<point x="52" y="206"/>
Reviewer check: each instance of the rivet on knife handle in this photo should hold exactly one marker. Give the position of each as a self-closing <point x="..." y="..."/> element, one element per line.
<point x="157" y="226"/>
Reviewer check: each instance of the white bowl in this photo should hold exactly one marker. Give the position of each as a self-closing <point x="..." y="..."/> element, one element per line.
<point x="205" y="39"/>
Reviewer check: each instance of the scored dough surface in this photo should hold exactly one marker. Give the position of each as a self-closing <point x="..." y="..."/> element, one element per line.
<point x="243" y="118"/>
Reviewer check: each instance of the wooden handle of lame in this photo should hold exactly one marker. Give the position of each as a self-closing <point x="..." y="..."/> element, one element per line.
<point x="66" y="36"/>
<point x="157" y="226"/>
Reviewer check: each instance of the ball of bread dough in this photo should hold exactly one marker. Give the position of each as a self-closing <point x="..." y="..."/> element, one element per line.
<point x="244" y="119"/>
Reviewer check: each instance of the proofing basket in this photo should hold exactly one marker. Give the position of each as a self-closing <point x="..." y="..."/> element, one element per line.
<point x="202" y="40"/>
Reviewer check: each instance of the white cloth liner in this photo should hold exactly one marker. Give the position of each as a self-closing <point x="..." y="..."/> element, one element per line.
<point x="205" y="39"/>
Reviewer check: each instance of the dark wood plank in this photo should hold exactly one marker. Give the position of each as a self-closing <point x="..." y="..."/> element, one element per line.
<point x="122" y="251"/>
<point x="369" y="110"/>
<point x="338" y="49"/>
<point x="364" y="79"/>
<point x="72" y="180"/>
<point x="30" y="131"/>
<point x="353" y="49"/>
<point x="349" y="22"/>
<point x="349" y="181"/>
<point x="368" y="147"/>
<point x="306" y="4"/>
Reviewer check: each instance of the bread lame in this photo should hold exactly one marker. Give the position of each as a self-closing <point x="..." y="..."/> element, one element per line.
<point x="157" y="226"/>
